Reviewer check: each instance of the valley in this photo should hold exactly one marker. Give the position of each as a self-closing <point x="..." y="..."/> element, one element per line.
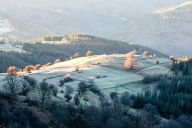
<point x="95" y="64"/>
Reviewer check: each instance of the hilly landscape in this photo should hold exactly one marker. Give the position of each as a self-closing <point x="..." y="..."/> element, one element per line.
<point x="131" y="21"/>
<point x="95" y="64"/>
<point x="48" y="50"/>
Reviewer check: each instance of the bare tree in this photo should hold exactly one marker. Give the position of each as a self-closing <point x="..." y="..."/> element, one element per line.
<point x="77" y="68"/>
<point x="29" y="68"/>
<point x="68" y="92"/>
<point x="12" y="70"/>
<point x="25" y="87"/>
<point x="37" y="67"/>
<point x="44" y="92"/>
<point x="76" y="55"/>
<point x="76" y="99"/>
<point x="89" y="53"/>
<point x="57" y="61"/>
<point x="145" y="54"/>
<point x="130" y="60"/>
<point x="11" y="84"/>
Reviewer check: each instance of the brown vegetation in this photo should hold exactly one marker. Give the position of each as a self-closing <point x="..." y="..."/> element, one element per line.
<point x="77" y="68"/>
<point x="89" y="53"/>
<point x="57" y="61"/>
<point x="145" y="54"/>
<point x="76" y="55"/>
<point x="130" y="60"/>
<point x="12" y="70"/>
<point x="37" y="67"/>
<point x="28" y="69"/>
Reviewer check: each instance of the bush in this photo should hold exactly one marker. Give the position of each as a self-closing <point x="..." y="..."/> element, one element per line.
<point x="26" y="88"/>
<point x="11" y="84"/>
<point x="88" y="53"/>
<point x="57" y="61"/>
<point x="32" y="82"/>
<point x="28" y="69"/>
<point x="82" y="87"/>
<point x="37" y="67"/>
<point x="138" y="102"/>
<point x="61" y="82"/>
<point x="126" y="99"/>
<point x="65" y="80"/>
<point x="44" y="92"/>
<point x="54" y="90"/>
<point x="12" y="70"/>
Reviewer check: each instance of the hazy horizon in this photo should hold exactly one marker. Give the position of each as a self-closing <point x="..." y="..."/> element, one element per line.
<point x="130" y="21"/>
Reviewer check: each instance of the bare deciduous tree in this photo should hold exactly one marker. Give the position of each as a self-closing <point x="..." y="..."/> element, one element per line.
<point x="145" y="54"/>
<point x="76" y="55"/>
<point x="11" y="84"/>
<point x="12" y="70"/>
<point x="77" y="68"/>
<point x="44" y="92"/>
<point x="89" y="53"/>
<point x="28" y="69"/>
<point x="37" y="67"/>
<point x="68" y="92"/>
<point x="130" y="60"/>
<point x="57" y="61"/>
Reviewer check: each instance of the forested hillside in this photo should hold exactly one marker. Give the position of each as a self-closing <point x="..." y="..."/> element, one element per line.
<point x="167" y="106"/>
<point x="40" y="53"/>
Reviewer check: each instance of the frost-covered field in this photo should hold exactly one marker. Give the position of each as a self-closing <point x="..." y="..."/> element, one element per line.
<point x="106" y="71"/>
<point x="112" y="76"/>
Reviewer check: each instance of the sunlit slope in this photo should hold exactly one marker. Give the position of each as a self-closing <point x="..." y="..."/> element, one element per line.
<point x="106" y="70"/>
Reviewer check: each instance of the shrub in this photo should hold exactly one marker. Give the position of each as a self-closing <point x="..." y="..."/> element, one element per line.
<point x="28" y="69"/>
<point x="12" y="84"/>
<point x="12" y="70"/>
<point x="54" y="90"/>
<point x="65" y="80"/>
<point x="61" y="82"/>
<point x="32" y="82"/>
<point x="126" y="99"/>
<point x="57" y="61"/>
<point x="37" y="67"/>
<point x="89" y="53"/>
<point x="44" y="92"/>
<point x="25" y="87"/>
<point x="82" y="87"/>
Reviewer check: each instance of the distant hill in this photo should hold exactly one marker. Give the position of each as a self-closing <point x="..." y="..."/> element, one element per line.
<point x="42" y="53"/>
<point x="126" y="20"/>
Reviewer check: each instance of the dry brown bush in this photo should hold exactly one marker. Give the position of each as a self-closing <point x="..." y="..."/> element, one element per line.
<point x="77" y="68"/>
<point x="28" y="68"/>
<point x="76" y="55"/>
<point x="12" y="70"/>
<point x="37" y="67"/>
<point x="57" y="61"/>
<point x="130" y="60"/>
<point x="89" y="53"/>
<point x="145" y="54"/>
